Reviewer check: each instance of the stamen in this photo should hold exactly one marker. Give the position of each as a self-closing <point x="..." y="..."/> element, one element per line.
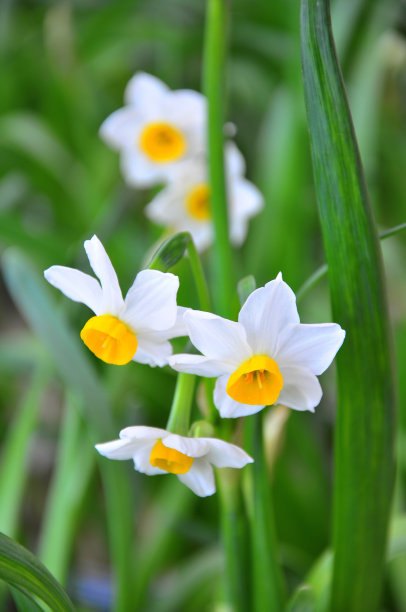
<point x="162" y="142"/>
<point x="110" y="339"/>
<point x="169" y="459"/>
<point x="258" y="381"/>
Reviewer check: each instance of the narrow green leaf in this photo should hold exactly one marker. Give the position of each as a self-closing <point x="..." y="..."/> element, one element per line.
<point x="245" y="287"/>
<point x="13" y="472"/>
<point x="302" y="600"/>
<point x="21" y="569"/>
<point x="24" y="601"/>
<point x="75" y="464"/>
<point x="364" y="443"/>
<point x="30" y="293"/>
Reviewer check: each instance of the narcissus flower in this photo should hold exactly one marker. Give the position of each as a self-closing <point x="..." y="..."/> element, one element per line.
<point x="266" y="357"/>
<point x="184" y="203"/>
<point x="156" y="130"/>
<point x="157" y="451"/>
<point x="137" y="328"/>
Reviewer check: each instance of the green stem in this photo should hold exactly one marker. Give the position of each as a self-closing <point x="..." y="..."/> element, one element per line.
<point x="179" y="416"/>
<point x="198" y="275"/>
<point x="234" y="536"/>
<point x="322" y="271"/>
<point x="214" y="79"/>
<point x="268" y="584"/>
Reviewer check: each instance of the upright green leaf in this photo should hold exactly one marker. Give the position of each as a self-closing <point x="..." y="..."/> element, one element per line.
<point x="364" y="443"/>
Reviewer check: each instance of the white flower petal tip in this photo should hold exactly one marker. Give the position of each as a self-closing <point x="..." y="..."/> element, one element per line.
<point x="157" y="451"/>
<point x="135" y="329"/>
<point x="184" y="203"/>
<point x="156" y="131"/>
<point x="267" y="357"/>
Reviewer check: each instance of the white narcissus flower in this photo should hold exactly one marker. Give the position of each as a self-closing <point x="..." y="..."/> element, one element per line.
<point x="157" y="451"/>
<point x="266" y="357"/>
<point x="135" y="328"/>
<point x="184" y="203"/>
<point x="157" y="129"/>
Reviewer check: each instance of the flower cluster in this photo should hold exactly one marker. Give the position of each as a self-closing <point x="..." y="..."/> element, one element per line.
<point x="266" y="357"/>
<point x="161" y="137"/>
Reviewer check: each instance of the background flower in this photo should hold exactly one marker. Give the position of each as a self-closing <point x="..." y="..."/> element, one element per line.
<point x="156" y="130"/>
<point x="184" y="203"/>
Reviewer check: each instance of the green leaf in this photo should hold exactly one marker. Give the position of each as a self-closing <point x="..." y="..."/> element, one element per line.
<point x="30" y="293"/>
<point x="21" y="569"/>
<point x="245" y="287"/>
<point x="302" y="600"/>
<point x="364" y="443"/>
<point x="170" y="252"/>
<point x="13" y="472"/>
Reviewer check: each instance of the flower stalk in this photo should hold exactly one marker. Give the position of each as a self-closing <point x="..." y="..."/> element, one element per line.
<point x="213" y="86"/>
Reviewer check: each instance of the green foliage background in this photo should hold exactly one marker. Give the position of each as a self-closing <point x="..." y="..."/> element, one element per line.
<point x="64" y="66"/>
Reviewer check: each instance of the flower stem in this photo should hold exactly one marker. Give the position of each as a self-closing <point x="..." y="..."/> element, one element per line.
<point x="179" y="416"/>
<point x="198" y="275"/>
<point x="321" y="272"/>
<point x="213" y="85"/>
<point x="268" y="584"/>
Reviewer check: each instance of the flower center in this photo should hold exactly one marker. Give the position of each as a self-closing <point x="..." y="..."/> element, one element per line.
<point x="162" y="142"/>
<point x="197" y="202"/>
<point x="109" y="339"/>
<point x="257" y="381"/>
<point x="169" y="459"/>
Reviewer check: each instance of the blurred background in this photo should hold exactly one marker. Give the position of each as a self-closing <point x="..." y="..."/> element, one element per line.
<point x="64" y="66"/>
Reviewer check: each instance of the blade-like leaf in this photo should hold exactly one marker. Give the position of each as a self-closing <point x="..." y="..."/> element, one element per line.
<point x="21" y="569"/>
<point x="364" y="453"/>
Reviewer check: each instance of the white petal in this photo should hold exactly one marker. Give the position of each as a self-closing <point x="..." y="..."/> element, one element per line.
<point x="310" y="346"/>
<point x="144" y="432"/>
<point x="139" y="171"/>
<point x="150" y="303"/>
<point x="227" y="407"/>
<point x="120" y="130"/>
<point x="301" y="389"/>
<point x="200" y="478"/>
<point x="187" y="108"/>
<point x="76" y="285"/>
<point x="218" y="338"/>
<point x="142" y="462"/>
<point x="192" y="447"/>
<point x="102" y="267"/>
<point x="223" y="454"/>
<point x="200" y="365"/>
<point x="266" y="313"/>
<point x="234" y="160"/>
<point x="152" y="351"/>
<point x="179" y="328"/>
<point x="144" y="90"/>
<point x="117" y="449"/>
<point x="246" y="201"/>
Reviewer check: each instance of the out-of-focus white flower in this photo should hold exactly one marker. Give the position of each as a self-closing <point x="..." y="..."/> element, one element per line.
<point x="266" y="357"/>
<point x="137" y="328"/>
<point x="184" y="203"/>
<point x="157" y="451"/>
<point x="156" y="130"/>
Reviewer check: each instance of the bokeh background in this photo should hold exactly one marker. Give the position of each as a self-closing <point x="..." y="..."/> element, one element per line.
<point x="63" y="69"/>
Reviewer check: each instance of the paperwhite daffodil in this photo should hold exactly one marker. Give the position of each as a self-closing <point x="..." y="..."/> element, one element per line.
<point x="157" y="451"/>
<point x="137" y="328"/>
<point x="156" y="129"/>
<point x="266" y="357"/>
<point x="184" y="203"/>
